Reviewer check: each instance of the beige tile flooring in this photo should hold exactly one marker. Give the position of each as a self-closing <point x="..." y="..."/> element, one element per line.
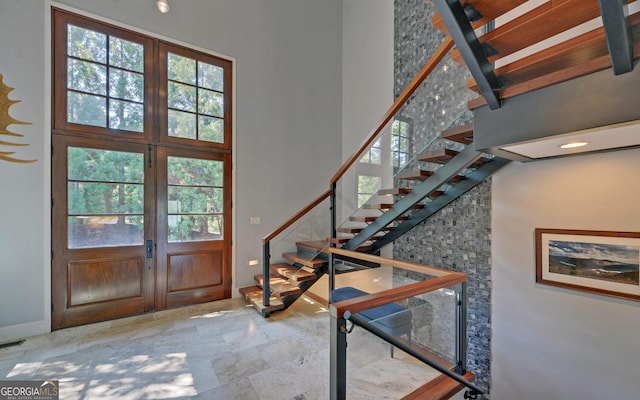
<point x="214" y="351"/>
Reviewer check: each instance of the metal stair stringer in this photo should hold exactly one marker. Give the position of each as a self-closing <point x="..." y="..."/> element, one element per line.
<point x="441" y="176"/>
<point x="455" y="191"/>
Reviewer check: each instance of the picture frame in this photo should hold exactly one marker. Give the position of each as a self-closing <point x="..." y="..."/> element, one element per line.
<point x="601" y="262"/>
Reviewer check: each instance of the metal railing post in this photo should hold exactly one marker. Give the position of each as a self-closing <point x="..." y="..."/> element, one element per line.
<point x="338" y="359"/>
<point x="332" y="265"/>
<point x="461" y="329"/>
<point x="266" y="285"/>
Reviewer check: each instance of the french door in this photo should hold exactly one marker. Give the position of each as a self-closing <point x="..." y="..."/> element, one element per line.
<point x="141" y="174"/>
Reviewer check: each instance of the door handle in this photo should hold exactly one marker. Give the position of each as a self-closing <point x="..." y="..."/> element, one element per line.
<point x="149" y="248"/>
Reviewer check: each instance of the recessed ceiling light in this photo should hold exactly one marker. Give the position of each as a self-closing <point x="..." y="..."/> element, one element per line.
<point x="573" y="145"/>
<point x="163" y="6"/>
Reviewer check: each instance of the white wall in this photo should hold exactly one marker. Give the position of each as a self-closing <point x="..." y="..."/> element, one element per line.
<point x="367" y="90"/>
<point x="288" y="115"/>
<point x="367" y="70"/>
<point x="24" y="188"/>
<point x="553" y="343"/>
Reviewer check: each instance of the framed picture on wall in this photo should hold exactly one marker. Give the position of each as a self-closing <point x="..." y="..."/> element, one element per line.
<point x="601" y="262"/>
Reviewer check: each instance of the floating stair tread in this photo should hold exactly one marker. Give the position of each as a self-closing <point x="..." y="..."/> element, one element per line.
<point x="313" y="263"/>
<point x="278" y="285"/>
<point x="566" y="58"/>
<point x="539" y="24"/>
<point x="315" y="245"/>
<point x="395" y="191"/>
<point x="489" y="9"/>
<point x="461" y="134"/>
<point x="345" y="239"/>
<point x="340" y="239"/>
<point x="250" y="291"/>
<point x="253" y="295"/>
<point x="442" y="156"/>
<point x="378" y="206"/>
<point x="437" y="156"/>
<point x="363" y="218"/>
<point x="440" y="388"/>
<point x="371" y="218"/>
<point x="290" y="272"/>
<point x="419" y="175"/>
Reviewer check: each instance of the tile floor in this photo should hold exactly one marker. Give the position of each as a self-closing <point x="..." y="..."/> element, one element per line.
<point x="215" y="351"/>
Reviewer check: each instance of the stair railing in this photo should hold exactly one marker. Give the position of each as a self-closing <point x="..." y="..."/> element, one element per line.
<point x="406" y="94"/>
<point x="352" y="309"/>
<point x="266" y="243"/>
<point x="397" y="105"/>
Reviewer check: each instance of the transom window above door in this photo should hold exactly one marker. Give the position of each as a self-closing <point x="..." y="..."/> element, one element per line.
<point x="114" y="83"/>
<point x="105" y="80"/>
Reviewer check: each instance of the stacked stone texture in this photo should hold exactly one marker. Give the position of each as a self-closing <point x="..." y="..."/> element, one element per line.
<point x="457" y="238"/>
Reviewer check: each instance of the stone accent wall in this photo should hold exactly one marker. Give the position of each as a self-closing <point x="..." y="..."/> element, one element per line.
<point x="458" y="237"/>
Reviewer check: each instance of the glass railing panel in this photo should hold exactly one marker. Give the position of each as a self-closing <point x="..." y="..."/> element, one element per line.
<point x="413" y="130"/>
<point x="309" y="235"/>
<point x="425" y="322"/>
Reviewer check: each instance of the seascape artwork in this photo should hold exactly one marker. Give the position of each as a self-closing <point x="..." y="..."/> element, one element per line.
<point x="605" y="262"/>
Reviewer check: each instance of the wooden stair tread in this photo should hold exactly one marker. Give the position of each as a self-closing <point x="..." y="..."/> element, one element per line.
<point x="395" y="191"/>
<point x="316" y="245"/>
<point x="461" y="134"/>
<point x="278" y="285"/>
<point x="253" y="295"/>
<point x="490" y="10"/>
<point x="419" y="175"/>
<point x="440" y="388"/>
<point x="344" y="239"/>
<point x="437" y="156"/>
<point x="363" y="218"/>
<point x="290" y="272"/>
<point x="378" y="206"/>
<point x="442" y="156"/>
<point x="313" y="263"/>
<point x="539" y="24"/>
<point x="567" y="59"/>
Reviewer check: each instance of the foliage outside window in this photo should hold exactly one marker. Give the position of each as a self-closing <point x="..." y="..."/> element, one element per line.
<point x="105" y="80"/>
<point x="367" y="187"/>
<point x="195" y="199"/>
<point x="195" y="99"/>
<point x="105" y="205"/>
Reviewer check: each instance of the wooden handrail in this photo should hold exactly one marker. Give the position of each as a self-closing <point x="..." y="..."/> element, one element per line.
<point x="395" y="107"/>
<point x="296" y="217"/>
<point x="361" y="303"/>
<point x="443" y="279"/>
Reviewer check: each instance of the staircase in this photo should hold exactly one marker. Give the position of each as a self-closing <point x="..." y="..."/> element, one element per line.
<point x="447" y="173"/>
<point x="404" y="208"/>
<point x="426" y="191"/>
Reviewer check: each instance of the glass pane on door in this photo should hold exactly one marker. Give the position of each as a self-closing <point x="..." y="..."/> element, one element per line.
<point x="195" y="196"/>
<point x="105" y="198"/>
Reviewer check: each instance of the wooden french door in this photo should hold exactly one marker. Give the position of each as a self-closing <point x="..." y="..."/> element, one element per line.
<point x="193" y="244"/>
<point x="137" y="228"/>
<point x="102" y="218"/>
<point x="141" y="173"/>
